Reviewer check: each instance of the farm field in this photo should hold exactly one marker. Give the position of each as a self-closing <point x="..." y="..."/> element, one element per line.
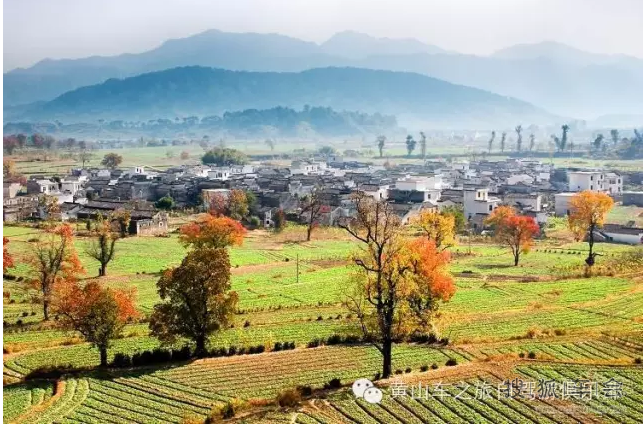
<point x="535" y="321"/>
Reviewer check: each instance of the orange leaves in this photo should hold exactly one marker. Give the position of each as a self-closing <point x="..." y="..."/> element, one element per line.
<point x="213" y="232"/>
<point x="588" y="211"/>
<point x="431" y="275"/>
<point x="513" y="230"/>
<point x="7" y="259"/>
<point x="76" y="302"/>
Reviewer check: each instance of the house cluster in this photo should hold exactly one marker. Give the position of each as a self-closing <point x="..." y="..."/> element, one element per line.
<point x="534" y="188"/>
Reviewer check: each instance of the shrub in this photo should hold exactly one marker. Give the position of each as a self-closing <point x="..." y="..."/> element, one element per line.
<point x="314" y="343"/>
<point x="25" y="314"/>
<point x="451" y="362"/>
<point x="560" y="331"/>
<point x="334" y="383"/>
<point x="226" y="411"/>
<point x="335" y="339"/>
<point x="532" y="355"/>
<point x="424" y="368"/>
<point x="305" y="390"/>
<point x="408" y="370"/>
<point x="182" y="354"/>
<point x="638" y="361"/>
<point x="277" y="347"/>
<point x="121" y="360"/>
<point x="320" y="318"/>
<point x="521" y="354"/>
<point x="232" y="350"/>
<point x="246" y="324"/>
<point x="288" y="398"/>
<point x="398" y="372"/>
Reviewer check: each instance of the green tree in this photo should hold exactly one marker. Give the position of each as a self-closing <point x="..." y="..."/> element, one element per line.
<point x="165" y="203"/>
<point x="615" y="136"/>
<point x="196" y="300"/>
<point x="458" y="215"/>
<point x="519" y="140"/>
<point x="493" y="137"/>
<point x="222" y="156"/>
<point x="381" y="141"/>
<point x="423" y="144"/>
<point x="410" y="145"/>
<point x="112" y="160"/>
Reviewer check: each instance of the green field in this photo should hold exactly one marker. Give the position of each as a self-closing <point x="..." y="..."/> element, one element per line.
<point x="499" y="315"/>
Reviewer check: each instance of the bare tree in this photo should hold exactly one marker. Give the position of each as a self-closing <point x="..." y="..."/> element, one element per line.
<point x="311" y="210"/>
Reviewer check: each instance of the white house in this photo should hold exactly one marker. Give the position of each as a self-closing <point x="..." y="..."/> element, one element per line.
<point x="620" y="234"/>
<point x="478" y="201"/>
<point x="525" y="201"/>
<point x="561" y="203"/>
<point x="220" y="174"/>
<point x="613" y="183"/>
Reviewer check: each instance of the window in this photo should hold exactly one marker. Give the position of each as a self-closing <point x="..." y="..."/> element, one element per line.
<point x="591" y="178"/>
<point x="591" y="187"/>
<point x="490" y="208"/>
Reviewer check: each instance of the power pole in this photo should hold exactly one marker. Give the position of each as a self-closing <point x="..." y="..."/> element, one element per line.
<point x="297" y="268"/>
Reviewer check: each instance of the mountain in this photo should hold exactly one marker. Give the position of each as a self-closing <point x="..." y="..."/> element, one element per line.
<point x="355" y="45"/>
<point x="203" y="91"/>
<point x="556" y="77"/>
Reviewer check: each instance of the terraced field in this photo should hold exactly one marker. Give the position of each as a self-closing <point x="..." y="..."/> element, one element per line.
<point x="499" y="316"/>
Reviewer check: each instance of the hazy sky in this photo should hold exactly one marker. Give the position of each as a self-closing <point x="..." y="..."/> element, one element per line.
<point x="37" y="29"/>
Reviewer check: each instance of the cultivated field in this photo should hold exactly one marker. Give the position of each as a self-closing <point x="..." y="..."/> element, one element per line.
<point x="536" y="321"/>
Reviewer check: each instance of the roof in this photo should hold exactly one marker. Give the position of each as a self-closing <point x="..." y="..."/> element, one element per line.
<point x="620" y="229"/>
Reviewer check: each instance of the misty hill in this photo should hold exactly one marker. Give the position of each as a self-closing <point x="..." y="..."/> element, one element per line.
<point x="553" y="76"/>
<point x="202" y="91"/>
<point x="275" y="122"/>
<point x="355" y="45"/>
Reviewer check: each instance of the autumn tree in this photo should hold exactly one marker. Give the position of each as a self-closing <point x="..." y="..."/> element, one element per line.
<point x="185" y="155"/>
<point x="311" y="210"/>
<point x="209" y="231"/>
<point x="397" y="283"/>
<point x="97" y="313"/>
<point x="123" y="218"/>
<point x="7" y="258"/>
<point x="381" y="141"/>
<point x="196" y="300"/>
<point x="9" y="143"/>
<point x="437" y="227"/>
<point x="458" y="216"/>
<point x="588" y="210"/>
<point x="54" y="261"/>
<point x="102" y="245"/>
<point x="237" y="204"/>
<point x="279" y="220"/>
<point x="112" y="160"/>
<point x="513" y="230"/>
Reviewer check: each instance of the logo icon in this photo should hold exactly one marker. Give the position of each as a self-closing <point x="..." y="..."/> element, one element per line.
<point x="365" y="389"/>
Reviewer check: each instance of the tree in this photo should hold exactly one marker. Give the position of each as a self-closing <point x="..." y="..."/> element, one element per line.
<point x="185" y="155"/>
<point x="381" y="141"/>
<point x="410" y="145"/>
<point x="165" y="203"/>
<point x="8" y="168"/>
<point x="237" y="204"/>
<point x="519" y="140"/>
<point x="423" y="144"/>
<point x="311" y="210"/>
<point x="588" y="210"/>
<point x="513" y="230"/>
<point x="85" y="156"/>
<point x="99" y="314"/>
<point x="102" y="245"/>
<point x="196" y="300"/>
<point x="9" y="143"/>
<point x="615" y="137"/>
<point x="532" y="142"/>
<point x="270" y="143"/>
<point x="397" y="284"/>
<point x="123" y="217"/>
<point x="438" y="228"/>
<point x="54" y="261"/>
<point x="212" y="232"/>
<point x="561" y="143"/>
<point x="598" y="142"/>
<point x="112" y="160"/>
<point x="458" y="216"/>
<point x="503" y="139"/>
<point x="222" y="156"/>
<point x="493" y="137"/>
<point x="327" y="151"/>
<point x="7" y="258"/>
<point x="217" y="204"/>
<point x="279" y="220"/>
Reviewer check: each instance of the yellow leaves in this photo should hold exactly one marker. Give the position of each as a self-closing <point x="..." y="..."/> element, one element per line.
<point x="588" y="209"/>
<point x="437" y="227"/>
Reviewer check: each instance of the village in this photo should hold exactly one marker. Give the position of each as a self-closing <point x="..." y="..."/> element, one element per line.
<point x="533" y="188"/>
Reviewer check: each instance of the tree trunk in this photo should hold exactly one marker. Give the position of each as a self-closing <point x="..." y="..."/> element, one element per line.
<point x="200" y="346"/>
<point x="103" y="356"/>
<point x="103" y="270"/>
<point x="309" y="231"/>
<point x="387" y="355"/>
<point x="45" y="309"/>
<point x="590" y="257"/>
<point x="516" y="258"/>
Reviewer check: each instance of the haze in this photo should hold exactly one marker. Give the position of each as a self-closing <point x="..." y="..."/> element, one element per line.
<point x="38" y="29"/>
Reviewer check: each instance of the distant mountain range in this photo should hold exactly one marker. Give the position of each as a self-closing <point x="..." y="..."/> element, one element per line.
<point x="556" y="77"/>
<point x="202" y="91"/>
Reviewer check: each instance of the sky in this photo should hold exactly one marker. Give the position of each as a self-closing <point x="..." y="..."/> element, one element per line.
<point x="38" y="29"/>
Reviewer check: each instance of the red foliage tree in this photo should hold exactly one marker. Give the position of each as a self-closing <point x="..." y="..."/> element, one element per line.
<point x="513" y="230"/>
<point x="212" y="232"/>
<point x="7" y="259"/>
<point x="99" y="314"/>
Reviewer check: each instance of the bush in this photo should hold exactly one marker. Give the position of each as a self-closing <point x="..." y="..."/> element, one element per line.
<point x="424" y="368"/>
<point x="288" y="398"/>
<point x="334" y="383"/>
<point x="305" y="390"/>
<point x="532" y="355"/>
<point x="122" y="360"/>
<point x="277" y="347"/>
<point x="451" y="362"/>
<point x="638" y="361"/>
<point x="314" y="343"/>
<point x="182" y="354"/>
<point x="560" y="331"/>
<point x="255" y="221"/>
<point x="335" y="339"/>
<point x="25" y="314"/>
<point x="246" y="324"/>
<point x="521" y="354"/>
<point x="398" y="372"/>
<point x="226" y="411"/>
<point x="408" y="370"/>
